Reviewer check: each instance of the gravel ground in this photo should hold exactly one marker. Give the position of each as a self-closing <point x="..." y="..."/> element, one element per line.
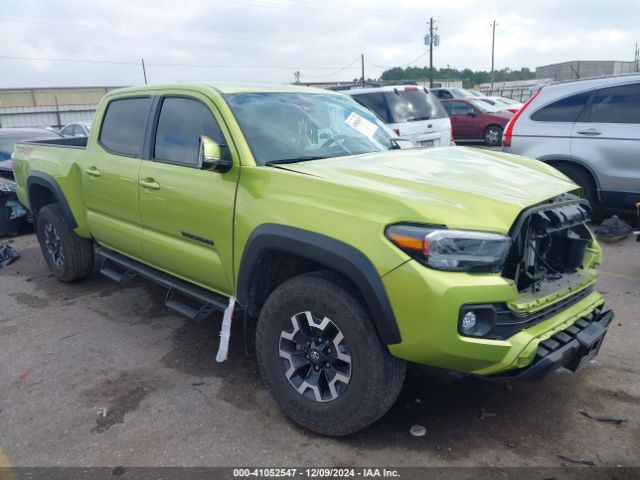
<point x="68" y="351"/>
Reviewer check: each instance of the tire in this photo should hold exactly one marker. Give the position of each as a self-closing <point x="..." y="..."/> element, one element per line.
<point x="369" y="381"/>
<point x="70" y="257"/>
<point x="492" y="135"/>
<point x="586" y="183"/>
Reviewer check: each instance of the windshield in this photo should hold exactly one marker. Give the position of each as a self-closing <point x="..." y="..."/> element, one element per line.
<point x="485" y="107"/>
<point x="476" y="93"/>
<point x="307" y="126"/>
<point x="461" y="92"/>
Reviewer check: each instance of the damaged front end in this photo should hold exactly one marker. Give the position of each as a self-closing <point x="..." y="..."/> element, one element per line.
<point x="550" y="241"/>
<point x="13" y="215"/>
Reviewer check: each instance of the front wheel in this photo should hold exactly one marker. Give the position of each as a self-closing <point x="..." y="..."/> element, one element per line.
<point x="493" y="135"/>
<point x="321" y="356"/>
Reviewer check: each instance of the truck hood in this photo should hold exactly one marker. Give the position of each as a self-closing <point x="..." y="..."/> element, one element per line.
<point x="455" y="186"/>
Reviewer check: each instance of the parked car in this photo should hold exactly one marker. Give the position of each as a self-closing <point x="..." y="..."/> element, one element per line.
<point x="12" y="214"/>
<point x="347" y="255"/>
<point x="410" y="111"/>
<point x="589" y="130"/>
<point x="473" y="119"/>
<point x="78" y="129"/>
<point x="503" y="103"/>
<point x="447" y="93"/>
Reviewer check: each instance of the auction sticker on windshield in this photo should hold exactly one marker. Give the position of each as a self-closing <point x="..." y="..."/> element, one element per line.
<point x="361" y="124"/>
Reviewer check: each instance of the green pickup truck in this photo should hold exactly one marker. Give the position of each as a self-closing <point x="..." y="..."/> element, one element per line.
<point x="347" y="253"/>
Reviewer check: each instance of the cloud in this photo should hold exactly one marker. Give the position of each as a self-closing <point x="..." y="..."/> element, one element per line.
<point x="239" y="39"/>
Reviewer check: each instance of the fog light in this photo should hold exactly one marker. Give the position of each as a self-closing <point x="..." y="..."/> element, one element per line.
<point x="476" y="320"/>
<point x="469" y="322"/>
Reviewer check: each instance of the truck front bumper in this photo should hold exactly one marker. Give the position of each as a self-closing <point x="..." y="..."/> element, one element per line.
<point x="571" y="348"/>
<point x="427" y="304"/>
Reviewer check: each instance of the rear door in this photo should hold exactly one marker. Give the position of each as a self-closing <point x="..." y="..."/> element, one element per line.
<point x="187" y="212"/>
<point x="463" y="121"/>
<point x="110" y="175"/>
<point x="607" y="139"/>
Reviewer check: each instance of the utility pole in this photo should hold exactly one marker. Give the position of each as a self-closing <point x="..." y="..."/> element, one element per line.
<point x="636" y="58"/>
<point x="493" y="46"/>
<point x="362" y="65"/>
<point x="431" y="52"/>
<point x="144" y="72"/>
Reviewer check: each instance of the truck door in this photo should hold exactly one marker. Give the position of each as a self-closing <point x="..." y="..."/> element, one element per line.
<point x="187" y="212"/>
<point x="110" y="175"/>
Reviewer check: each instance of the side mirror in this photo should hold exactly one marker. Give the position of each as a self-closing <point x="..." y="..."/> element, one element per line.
<point x="213" y="156"/>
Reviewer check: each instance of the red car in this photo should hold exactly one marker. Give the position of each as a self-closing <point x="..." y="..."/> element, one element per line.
<point x="473" y="119"/>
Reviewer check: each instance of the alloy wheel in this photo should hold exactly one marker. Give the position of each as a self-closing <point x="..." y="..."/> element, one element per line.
<point x="314" y="357"/>
<point x="53" y="244"/>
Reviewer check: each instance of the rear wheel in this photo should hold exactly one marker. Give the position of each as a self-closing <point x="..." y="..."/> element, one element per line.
<point x="493" y="135"/>
<point x="320" y="354"/>
<point x="69" y="256"/>
<point x="586" y="184"/>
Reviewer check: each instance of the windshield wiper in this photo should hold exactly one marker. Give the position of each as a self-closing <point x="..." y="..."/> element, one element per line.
<point x="293" y="160"/>
<point x="417" y="119"/>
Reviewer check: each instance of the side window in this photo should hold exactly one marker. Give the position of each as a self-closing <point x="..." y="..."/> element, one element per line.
<point x="181" y="122"/>
<point x="460" y="108"/>
<point x="616" y="105"/>
<point x="564" y="110"/>
<point x="375" y="102"/>
<point x="124" y="124"/>
<point x="444" y="94"/>
<point x="66" y="131"/>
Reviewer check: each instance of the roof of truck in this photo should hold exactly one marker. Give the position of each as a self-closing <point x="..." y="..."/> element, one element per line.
<point x="225" y="88"/>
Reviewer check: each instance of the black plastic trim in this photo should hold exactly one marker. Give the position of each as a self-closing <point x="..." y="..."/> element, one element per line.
<point x="570" y="348"/>
<point x="45" y="180"/>
<point x="327" y="251"/>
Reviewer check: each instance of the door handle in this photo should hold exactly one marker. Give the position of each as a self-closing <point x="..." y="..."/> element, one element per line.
<point x="591" y="132"/>
<point x="93" y="171"/>
<point x="149" y="183"/>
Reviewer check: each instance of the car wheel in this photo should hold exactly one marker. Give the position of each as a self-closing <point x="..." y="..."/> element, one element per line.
<point x="493" y="135"/>
<point x="320" y="354"/>
<point x="586" y="184"/>
<point x="69" y="256"/>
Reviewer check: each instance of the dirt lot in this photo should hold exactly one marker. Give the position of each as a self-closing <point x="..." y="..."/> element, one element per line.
<point x="67" y="351"/>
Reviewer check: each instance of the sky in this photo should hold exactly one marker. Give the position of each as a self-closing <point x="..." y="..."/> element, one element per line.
<point x="103" y="41"/>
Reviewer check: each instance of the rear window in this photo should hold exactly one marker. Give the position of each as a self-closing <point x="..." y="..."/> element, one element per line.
<point x="564" y="110"/>
<point x="377" y="103"/>
<point x="413" y="106"/>
<point x="124" y="124"/>
<point x="616" y="105"/>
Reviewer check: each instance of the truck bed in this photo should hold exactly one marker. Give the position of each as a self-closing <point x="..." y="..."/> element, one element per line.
<point x="68" y="142"/>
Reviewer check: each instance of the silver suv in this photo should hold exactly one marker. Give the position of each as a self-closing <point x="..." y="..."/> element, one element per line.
<point x="589" y="130"/>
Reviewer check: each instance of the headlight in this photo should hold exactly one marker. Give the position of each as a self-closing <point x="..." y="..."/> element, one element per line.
<point x="452" y="250"/>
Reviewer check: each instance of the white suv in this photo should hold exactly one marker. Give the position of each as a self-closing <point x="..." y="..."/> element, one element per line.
<point x="589" y="130"/>
<point x="410" y="111"/>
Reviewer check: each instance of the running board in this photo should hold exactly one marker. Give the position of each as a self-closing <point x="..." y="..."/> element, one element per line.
<point x="189" y="300"/>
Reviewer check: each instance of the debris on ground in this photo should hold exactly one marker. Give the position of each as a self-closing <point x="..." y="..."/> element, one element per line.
<point x="418" y="431"/>
<point x="603" y="418"/>
<point x="8" y="255"/>
<point x="484" y="414"/>
<point x="612" y="230"/>
<point x="564" y="458"/>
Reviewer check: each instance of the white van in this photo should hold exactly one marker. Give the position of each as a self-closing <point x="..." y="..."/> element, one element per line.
<point x="410" y="111"/>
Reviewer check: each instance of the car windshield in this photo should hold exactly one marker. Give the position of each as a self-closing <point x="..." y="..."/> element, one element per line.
<point x="476" y="93"/>
<point x="291" y="127"/>
<point x="461" y="92"/>
<point x="485" y="107"/>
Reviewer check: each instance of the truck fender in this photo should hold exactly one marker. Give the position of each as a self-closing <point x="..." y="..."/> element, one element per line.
<point x="327" y="251"/>
<point x="48" y="182"/>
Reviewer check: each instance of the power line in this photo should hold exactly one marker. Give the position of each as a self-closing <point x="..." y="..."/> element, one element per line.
<point x="181" y="65"/>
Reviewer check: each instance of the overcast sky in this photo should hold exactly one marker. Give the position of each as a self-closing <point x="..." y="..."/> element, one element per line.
<point x="267" y="40"/>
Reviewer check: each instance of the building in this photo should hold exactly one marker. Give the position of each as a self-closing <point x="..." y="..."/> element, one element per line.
<point x="49" y="107"/>
<point x="584" y="68"/>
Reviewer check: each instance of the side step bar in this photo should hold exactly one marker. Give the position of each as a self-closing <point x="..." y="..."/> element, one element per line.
<point x="189" y="300"/>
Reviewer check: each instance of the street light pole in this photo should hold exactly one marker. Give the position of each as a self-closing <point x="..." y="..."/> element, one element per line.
<point x="431" y="52"/>
<point x="493" y="45"/>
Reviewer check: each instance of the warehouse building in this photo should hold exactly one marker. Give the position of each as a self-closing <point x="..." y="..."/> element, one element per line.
<point x="49" y="107"/>
<point x="583" y="69"/>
